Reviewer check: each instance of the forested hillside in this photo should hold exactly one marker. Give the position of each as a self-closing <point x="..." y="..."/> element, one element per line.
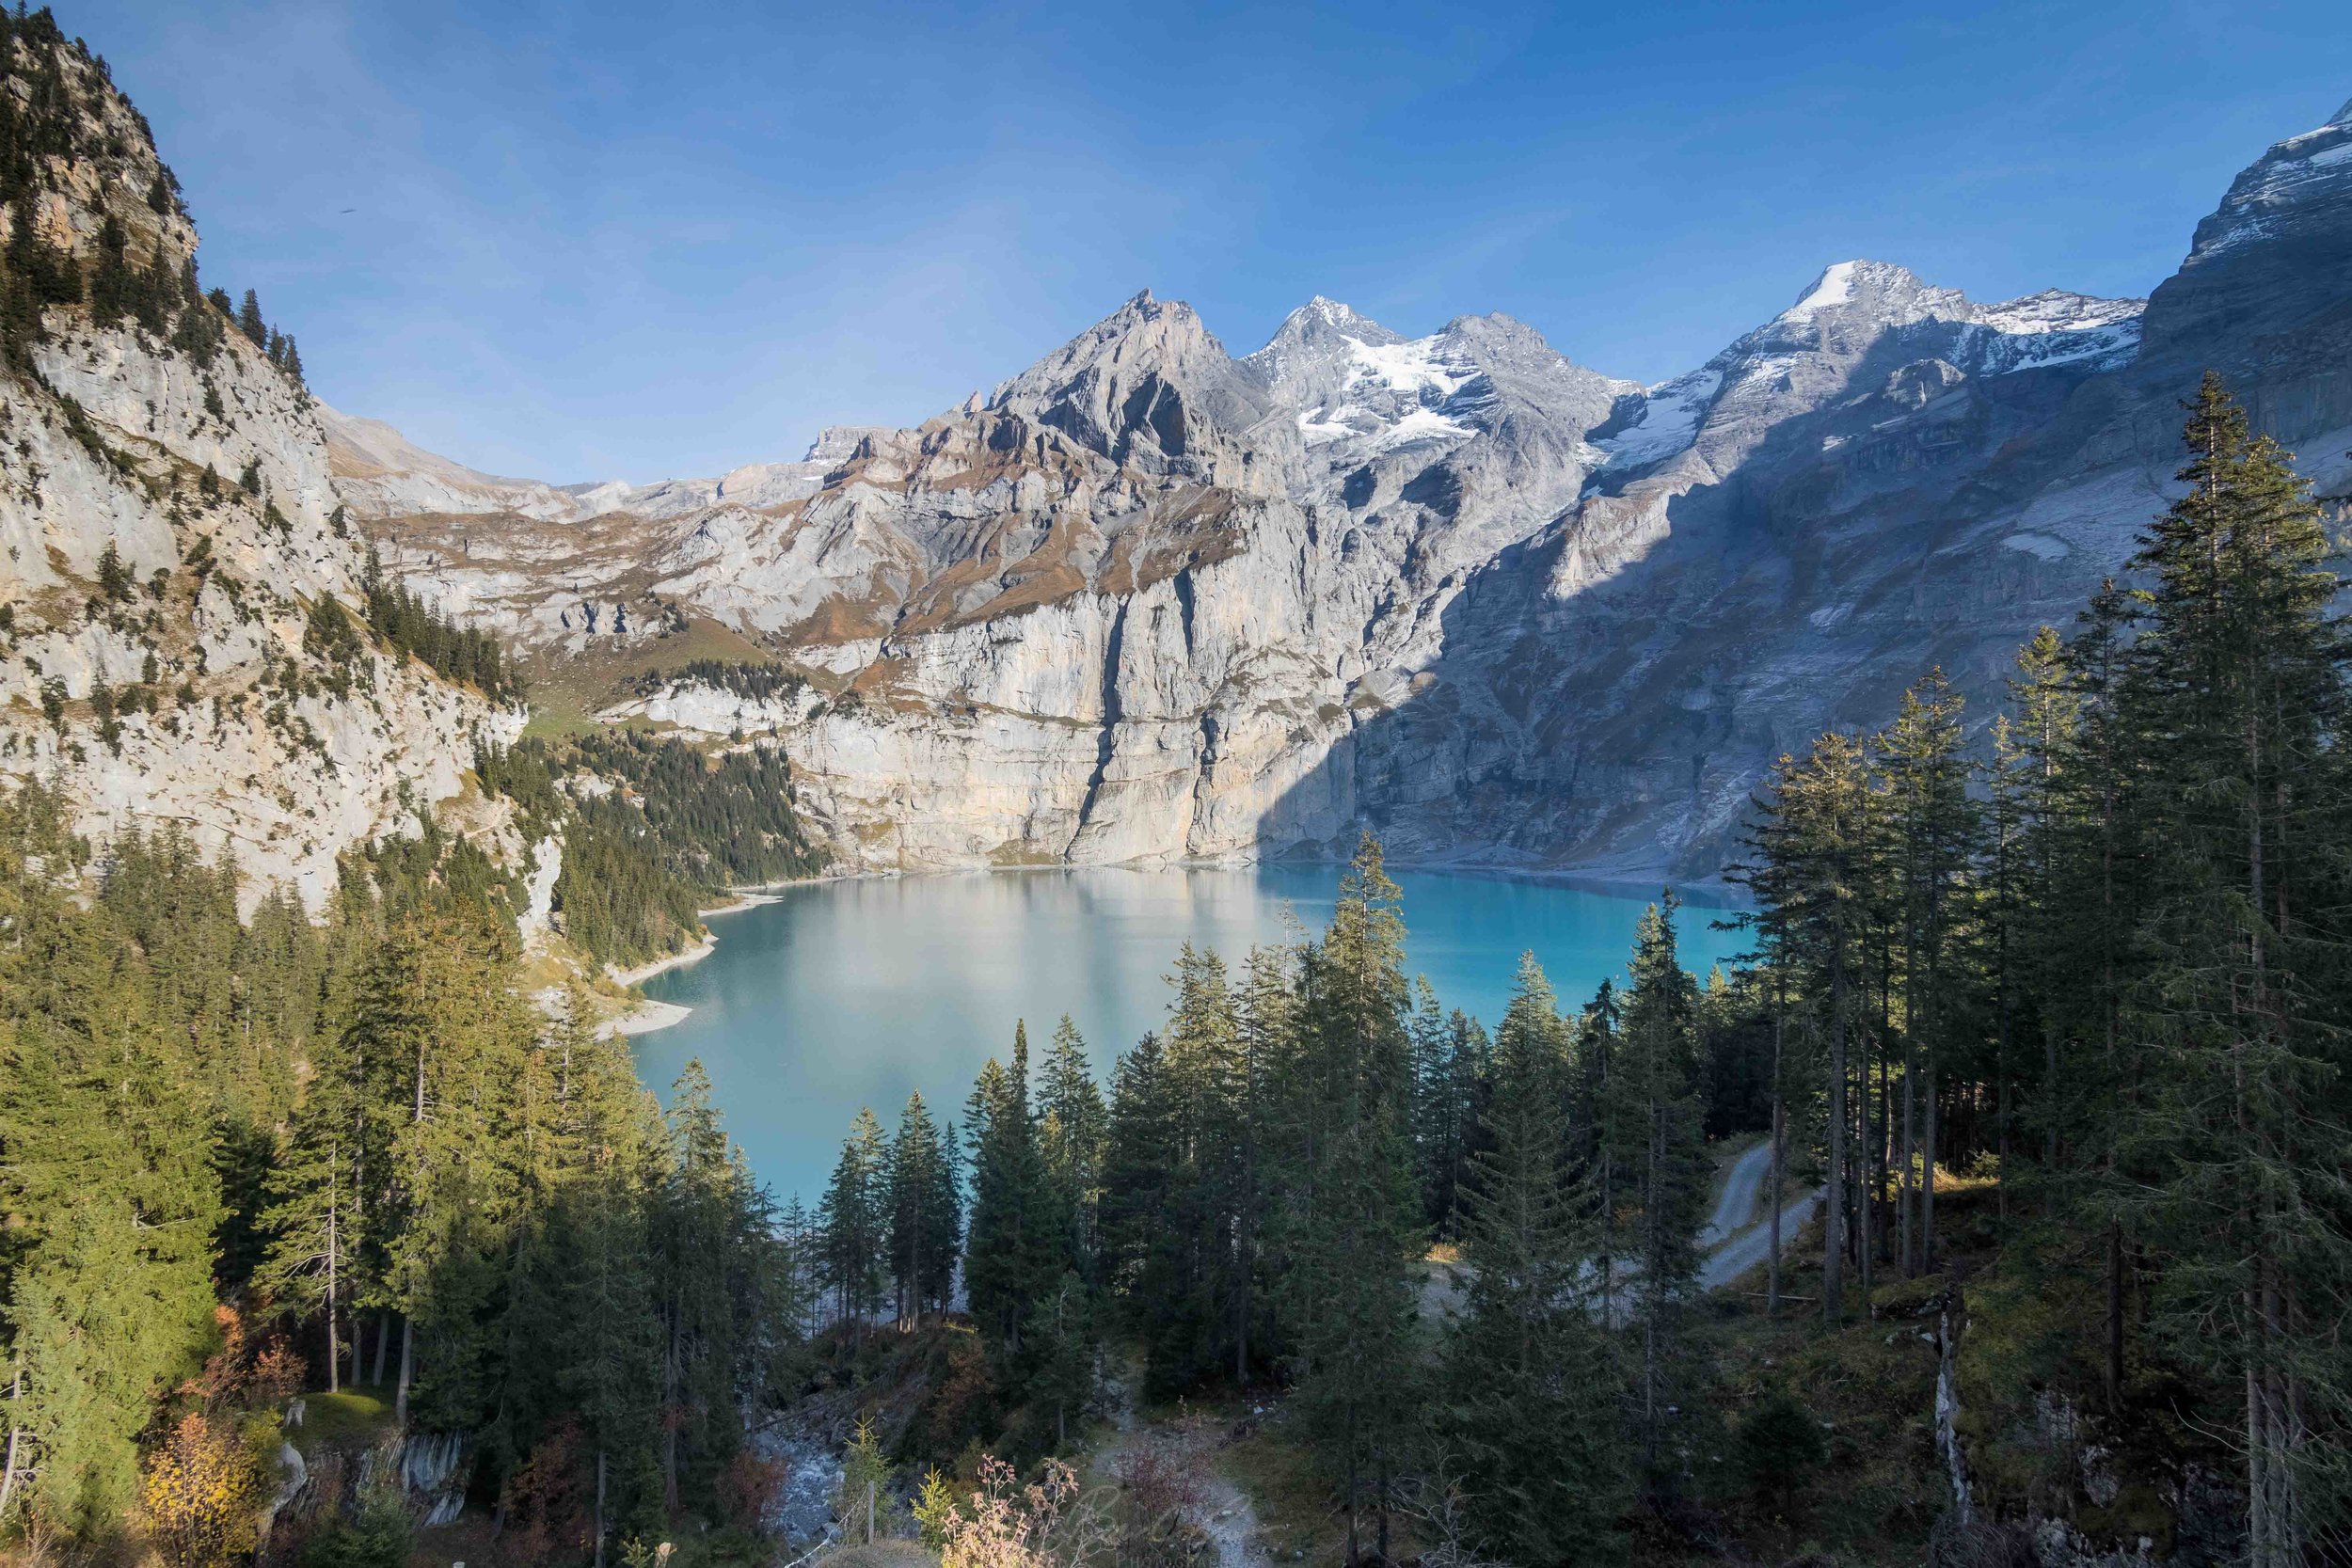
<point x="2117" y="974"/>
<point x="243" y="1160"/>
<point x="2055" y="1006"/>
<point x="653" y="830"/>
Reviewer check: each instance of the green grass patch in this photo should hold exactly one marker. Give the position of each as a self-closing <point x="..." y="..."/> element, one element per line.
<point x="567" y="694"/>
<point x="354" y="1418"/>
<point x="1289" y="1495"/>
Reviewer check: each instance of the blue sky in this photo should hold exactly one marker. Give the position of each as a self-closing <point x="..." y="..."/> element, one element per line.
<point x="598" y="240"/>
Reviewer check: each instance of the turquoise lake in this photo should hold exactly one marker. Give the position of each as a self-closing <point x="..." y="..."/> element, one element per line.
<point x="852" y="993"/>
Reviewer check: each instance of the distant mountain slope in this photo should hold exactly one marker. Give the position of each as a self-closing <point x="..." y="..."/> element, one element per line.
<point x="1145" y="600"/>
<point x="180" y="592"/>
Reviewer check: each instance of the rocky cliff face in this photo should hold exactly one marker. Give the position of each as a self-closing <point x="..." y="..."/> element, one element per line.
<point x="1147" y="600"/>
<point x="172" y="530"/>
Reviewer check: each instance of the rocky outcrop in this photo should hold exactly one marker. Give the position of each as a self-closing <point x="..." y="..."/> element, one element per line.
<point x="172" y="534"/>
<point x="1145" y="600"/>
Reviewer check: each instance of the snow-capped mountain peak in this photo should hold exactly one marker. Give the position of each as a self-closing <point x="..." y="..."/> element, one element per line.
<point x="1316" y="332"/>
<point x="1348" y="378"/>
<point x="1875" y="294"/>
<point x="1808" y="355"/>
<point x="1338" y="315"/>
<point x="2303" y="172"/>
<point x="1834" y="287"/>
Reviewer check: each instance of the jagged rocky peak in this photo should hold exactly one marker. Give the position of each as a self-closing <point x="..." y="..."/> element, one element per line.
<point x="1853" y="302"/>
<point x="1875" y="294"/>
<point x="1855" y="322"/>
<point x="2259" y="267"/>
<point x="1319" y="335"/>
<point x="1350" y="381"/>
<point x="2308" y="171"/>
<point x="1357" y="391"/>
<point x="837" y="443"/>
<point x="1147" y="386"/>
<point x="1524" y="364"/>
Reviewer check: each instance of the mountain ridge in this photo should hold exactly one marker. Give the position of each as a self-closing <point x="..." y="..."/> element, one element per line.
<point x="1146" y="599"/>
<point x="182" y="598"/>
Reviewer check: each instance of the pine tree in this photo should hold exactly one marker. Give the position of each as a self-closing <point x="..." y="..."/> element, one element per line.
<point x="1014" y="1247"/>
<point x="114" y="577"/>
<point x="705" y="1217"/>
<point x="2030" y="792"/>
<point x="1356" y="1234"/>
<point x="2237" y="684"/>
<point x="1203" y="1077"/>
<point x="1072" y="1125"/>
<point x="250" y="320"/>
<point x="1812" y="869"/>
<point x="611" y="1336"/>
<point x="1144" y="1147"/>
<point x="925" y="1221"/>
<point x="1592" y="1108"/>
<point x="1653" y="1111"/>
<point x="1934" y="828"/>
<point x="312" y="1221"/>
<point x="854" y="1216"/>
<point x="1068" y="1355"/>
<point x="1269" y="1011"/>
<point x="1444" y="1111"/>
<point x="1531" y="1390"/>
<point x="442" y="1038"/>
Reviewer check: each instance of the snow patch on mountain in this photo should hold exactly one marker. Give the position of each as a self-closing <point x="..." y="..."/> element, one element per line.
<point x="1835" y="287"/>
<point x="1802" y="358"/>
<point x="1355" y="382"/>
<point x="1669" y="421"/>
<point x="1419" y="368"/>
<point x="2310" y="170"/>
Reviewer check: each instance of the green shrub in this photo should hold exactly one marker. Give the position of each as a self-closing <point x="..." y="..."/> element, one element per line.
<point x="1780" y="1445"/>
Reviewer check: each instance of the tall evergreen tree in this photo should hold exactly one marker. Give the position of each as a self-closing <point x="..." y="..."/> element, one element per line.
<point x="1654" y="1119"/>
<point x="1356" y="1232"/>
<point x="1530" y="1385"/>
<point x="312" y="1221"/>
<point x="1204" y="1077"/>
<point x="1014" y="1244"/>
<point x="1269" y="1004"/>
<point x="925" y="1217"/>
<point x="1140" y="1161"/>
<point x="1813" y="867"/>
<point x="1072" y="1125"/>
<point x="855" y="1215"/>
<point x="2236" y="683"/>
<point x="709" y="1223"/>
<point x="1934" y="828"/>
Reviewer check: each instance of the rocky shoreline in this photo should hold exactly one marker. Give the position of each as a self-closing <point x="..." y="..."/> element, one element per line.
<point x="648" y="1015"/>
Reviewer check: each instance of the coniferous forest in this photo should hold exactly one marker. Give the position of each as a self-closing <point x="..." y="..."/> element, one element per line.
<point x="244" y="1160"/>
<point x="2052" y="1008"/>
